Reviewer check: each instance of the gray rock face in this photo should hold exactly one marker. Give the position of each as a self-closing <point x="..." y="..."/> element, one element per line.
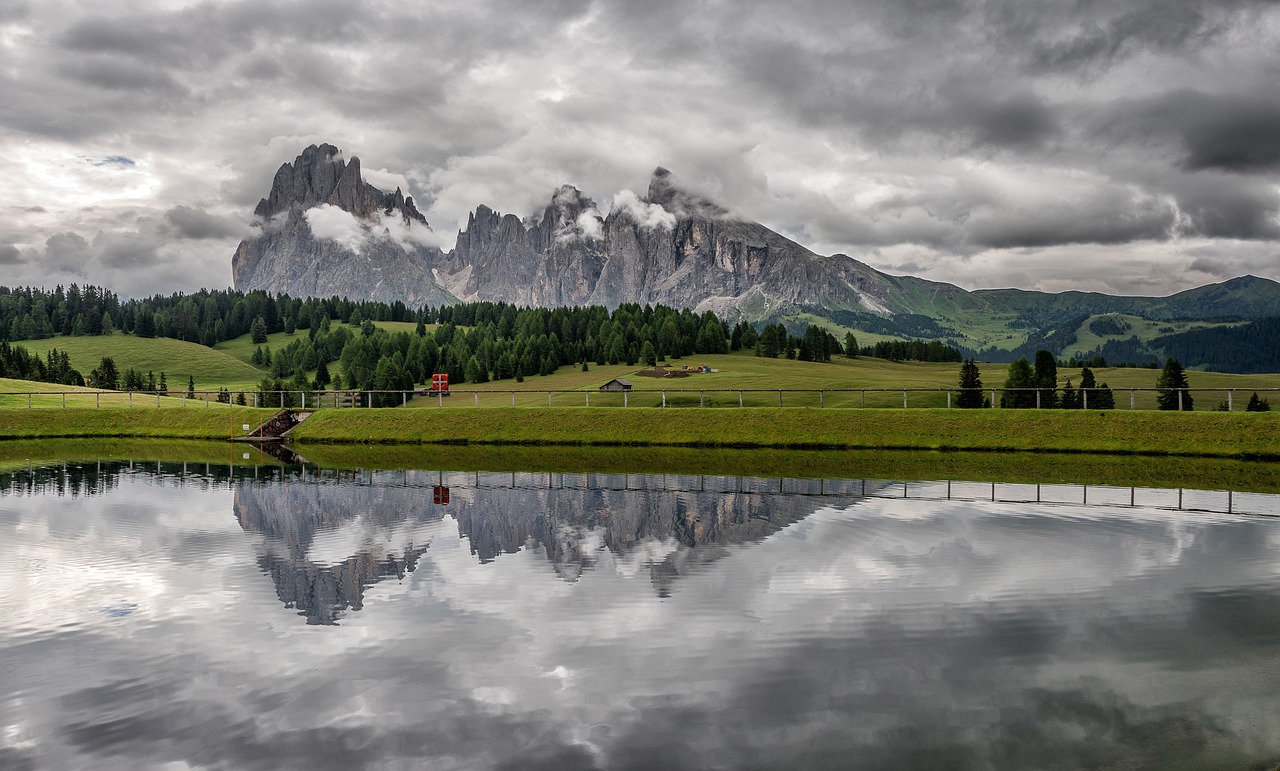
<point x="669" y="247"/>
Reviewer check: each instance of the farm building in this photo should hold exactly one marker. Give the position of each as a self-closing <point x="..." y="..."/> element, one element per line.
<point x="617" y="384"/>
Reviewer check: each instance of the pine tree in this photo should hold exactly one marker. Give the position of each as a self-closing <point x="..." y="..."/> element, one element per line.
<point x="648" y="355"/>
<point x="106" y="376"/>
<point x="851" y="346"/>
<point x="258" y="331"/>
<point x="164" y="385"/>
<point x="322" y="379"/>
<point x="191" y="387"/>
<point x="970" y="385"/>
<point x="1257" y="405"/>
<point x="1047" y="379"/>
<point x="1070" y="399"/>
<point x="1171" y="387"/>
<point x="1018" y="393"/>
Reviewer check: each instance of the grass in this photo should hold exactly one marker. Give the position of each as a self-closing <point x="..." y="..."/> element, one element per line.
<point x="1146" y="330"/>
<point x="21" y="453"/>
<point x="746" y="372"/>
<point x="1233" y="435"/>
<point x="211" y="368"/>
<point x="21" y="394"/>
<point x="1031" y="468"/>
<point x="193" y="422"/>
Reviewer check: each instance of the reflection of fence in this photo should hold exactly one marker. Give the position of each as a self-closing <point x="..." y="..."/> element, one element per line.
<point x="1203" y="399"/>
<point x="444" y="486"/>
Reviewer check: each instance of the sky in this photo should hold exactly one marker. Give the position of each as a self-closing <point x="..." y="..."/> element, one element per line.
<point x="1126" y="146"/>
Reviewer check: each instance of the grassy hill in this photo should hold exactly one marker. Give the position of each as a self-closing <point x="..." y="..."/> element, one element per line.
<point x="211" y="368"/>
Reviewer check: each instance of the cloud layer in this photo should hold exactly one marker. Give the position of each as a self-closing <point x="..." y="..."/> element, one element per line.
<point x="975" y="142"/>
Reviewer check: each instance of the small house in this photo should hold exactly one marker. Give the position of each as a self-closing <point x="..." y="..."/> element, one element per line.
<point x="617" y="384"/>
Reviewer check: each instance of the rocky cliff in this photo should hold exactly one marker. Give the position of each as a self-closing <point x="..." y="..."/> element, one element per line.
<point x="326" y="231"/>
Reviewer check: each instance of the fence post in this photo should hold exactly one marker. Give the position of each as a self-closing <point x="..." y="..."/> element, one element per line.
<point x="548" y="398"/>
<point x="1037" y="400"/>
<point x="588" y="393"/>
<point x="779" y="397"/>
<point x="28" y="400"/>
<point x="64" y="400"/>
<point x="476" y="396"/>
<point x="131" y="400"/>
<point x="664" y="397"/>
<point x="513" y="398"/>
<point x="206" y="398"/>
<point x="1084" y="393"/>
<point x="702" y="398"/>
<point x="1132" y="399"/>
<point x="368" y="400"/>
<point x="904" y="398"/>
<point x="1179" y="400"/>
<point x="819" y="397"/>
<point x="624" y="398"/>
<point x="864" y="398"/>
<point x="1230" y="393"/>
<point x="993" y="398"/>
<point x="948" y="400"/>
<point x="304" y="400"/>
<point x="739" y="398"/>
<point x="97" y="399"/>
<point x="440" y="399"/>
<point x="157" y="399"/>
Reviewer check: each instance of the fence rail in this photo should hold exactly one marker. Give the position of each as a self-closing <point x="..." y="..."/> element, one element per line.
<point x="1203" y="399"/>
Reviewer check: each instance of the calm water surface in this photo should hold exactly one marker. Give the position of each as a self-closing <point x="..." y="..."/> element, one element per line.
<point x="156" y="618"/>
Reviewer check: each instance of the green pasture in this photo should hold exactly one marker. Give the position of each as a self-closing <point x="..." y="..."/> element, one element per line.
<point x="211" y="368"/>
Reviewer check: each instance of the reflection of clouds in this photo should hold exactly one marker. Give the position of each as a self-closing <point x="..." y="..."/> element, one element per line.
<point x="899" y="633"/>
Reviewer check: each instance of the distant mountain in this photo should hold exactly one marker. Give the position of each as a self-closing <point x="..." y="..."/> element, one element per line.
<point x="326" y="231"/>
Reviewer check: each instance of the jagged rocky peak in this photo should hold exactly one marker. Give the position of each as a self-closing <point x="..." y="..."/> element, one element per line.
<point x="320" y="175"/>
<point x="665" y="191"/>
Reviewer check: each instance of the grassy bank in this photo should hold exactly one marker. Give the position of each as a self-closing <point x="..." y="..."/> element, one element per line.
<point x="1228" y="435"/>
<point x="1031" y="468"/>
<point x="194" y="422"/>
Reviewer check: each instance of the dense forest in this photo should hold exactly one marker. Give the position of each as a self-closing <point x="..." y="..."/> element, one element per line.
<point x="472" y="342"/>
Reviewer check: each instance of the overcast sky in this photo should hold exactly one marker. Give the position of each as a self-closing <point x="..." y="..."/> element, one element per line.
<point x="1120" y="145"/>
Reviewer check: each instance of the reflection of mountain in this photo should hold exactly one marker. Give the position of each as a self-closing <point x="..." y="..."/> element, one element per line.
<point x="291" y="515"/>
<point x="571" y="525"/>
<point x="668" y="528"/>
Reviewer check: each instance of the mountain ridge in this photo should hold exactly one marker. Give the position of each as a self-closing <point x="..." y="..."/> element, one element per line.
<point x="326" y="231"/>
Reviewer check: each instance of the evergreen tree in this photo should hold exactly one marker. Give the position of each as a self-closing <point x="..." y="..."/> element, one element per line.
<point x="1172" y="383"/>
<point x="970" y="385"/>
<point x="1047" y="379"/>
<point x="1257" y="405"/>
<point x="191" y="386"/>
<point x="1018" y="393"/>
<point x="648" y="355"/>
<point x="1070" y="399"/>
<point x="851" y="346"/>
<point x="322" y="379"/>
<point x="106" y="377"/>
<point x="1096" y="397"/>
<point x="164" y="385"/>
<point x="151" y="382"/>
<point x="108" y="326"/>
<point x="258" y="331"/>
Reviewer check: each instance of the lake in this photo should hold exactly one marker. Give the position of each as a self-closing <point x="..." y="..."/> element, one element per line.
<point x="175" y="616"/>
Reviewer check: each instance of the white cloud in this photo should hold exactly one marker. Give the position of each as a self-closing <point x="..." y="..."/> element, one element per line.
<point x="643" y="213"/>
<point x="329" y="222"/>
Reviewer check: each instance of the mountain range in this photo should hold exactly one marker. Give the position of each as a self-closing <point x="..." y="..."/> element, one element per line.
<point x="325" y="231"/>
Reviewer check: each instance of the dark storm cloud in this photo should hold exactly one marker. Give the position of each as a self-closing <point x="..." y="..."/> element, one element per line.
<point x="949" y="125"/>
<point x="9" y="254"/>
<point x="197" y="223"/>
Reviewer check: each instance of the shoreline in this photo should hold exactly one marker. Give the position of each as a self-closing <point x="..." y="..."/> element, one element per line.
<point x="1236" y="435"/>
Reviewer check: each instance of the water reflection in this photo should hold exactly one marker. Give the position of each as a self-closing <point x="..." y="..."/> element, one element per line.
<point x="605" y="621"/>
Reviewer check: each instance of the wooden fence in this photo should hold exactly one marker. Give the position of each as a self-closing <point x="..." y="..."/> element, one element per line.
<point x="1203" y="399"/>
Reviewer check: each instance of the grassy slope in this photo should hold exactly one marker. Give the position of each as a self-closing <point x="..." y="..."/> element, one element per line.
<point x="211" y="368"/>
<point x="1045" y="468"/>
<point x="744" y="371"/>
<point x="193" y="422"/>
<point x="1189" y="434"/>
<point x="1146" y="330"/>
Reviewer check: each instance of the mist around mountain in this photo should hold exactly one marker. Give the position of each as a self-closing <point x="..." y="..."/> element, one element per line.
<point x="325" y="231"/>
